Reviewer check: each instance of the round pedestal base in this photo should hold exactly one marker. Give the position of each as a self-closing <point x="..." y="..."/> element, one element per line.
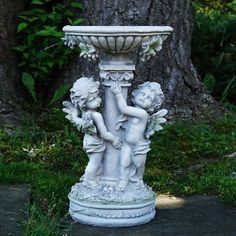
<point x="104" y="206"/>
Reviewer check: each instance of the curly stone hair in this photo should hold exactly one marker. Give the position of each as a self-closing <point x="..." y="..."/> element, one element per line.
<point x="81" y="89"/>
<point x="159" y="95"/>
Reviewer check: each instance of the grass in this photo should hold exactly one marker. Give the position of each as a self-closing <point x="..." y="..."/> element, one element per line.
<point x="40" y="223"/>
<point x="50" y="158"/>
<point x="49" y="194"/>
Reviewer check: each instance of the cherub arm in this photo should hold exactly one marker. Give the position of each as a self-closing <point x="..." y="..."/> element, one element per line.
<point x="122" y="105"/>
<point x="102" y="130"/>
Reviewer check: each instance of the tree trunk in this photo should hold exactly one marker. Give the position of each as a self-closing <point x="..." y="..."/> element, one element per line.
<point x="186" y="97"/>
<point x="9" y="82"/>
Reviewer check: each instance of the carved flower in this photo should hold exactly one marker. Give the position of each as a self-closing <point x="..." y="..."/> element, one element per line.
<point x="88" y="51"/>
<point x="68" y="42"/>
<point x="151" y="47"/>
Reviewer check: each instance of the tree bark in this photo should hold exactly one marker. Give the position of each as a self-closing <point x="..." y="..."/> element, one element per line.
<point x="186" y="97"/>
<point x="9" y="82"/>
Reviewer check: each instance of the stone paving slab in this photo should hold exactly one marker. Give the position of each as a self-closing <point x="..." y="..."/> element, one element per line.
<point x="189" y="216"/>
<point x="14" y="200"/>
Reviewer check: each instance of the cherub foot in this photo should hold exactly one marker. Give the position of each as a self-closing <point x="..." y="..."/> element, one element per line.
<point x="140" y="184"/>
<point x="122" y="185"/>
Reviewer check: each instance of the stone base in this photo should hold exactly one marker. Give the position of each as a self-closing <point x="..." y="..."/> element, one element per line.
<point x="105" y="206"/>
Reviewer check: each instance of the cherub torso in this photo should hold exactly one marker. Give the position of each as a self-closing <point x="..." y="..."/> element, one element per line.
<point x="135" y="129"/>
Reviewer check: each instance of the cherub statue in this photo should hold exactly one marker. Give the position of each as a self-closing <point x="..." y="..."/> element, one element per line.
<point x="81" y="111"/>
<point x="139" y="127"/>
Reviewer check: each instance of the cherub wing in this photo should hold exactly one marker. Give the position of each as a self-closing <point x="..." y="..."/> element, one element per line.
<point x="154" y="122"/>
<point x="73" y="114"/>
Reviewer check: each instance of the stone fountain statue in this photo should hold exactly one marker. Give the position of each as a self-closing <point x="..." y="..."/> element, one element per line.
<point x="112" y="192"/>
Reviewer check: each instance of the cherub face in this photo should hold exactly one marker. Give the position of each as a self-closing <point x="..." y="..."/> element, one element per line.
<point x="144" y="98"/>
<point x="93" y="100"/>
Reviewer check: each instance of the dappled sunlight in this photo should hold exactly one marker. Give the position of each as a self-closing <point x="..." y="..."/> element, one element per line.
<point x="169" y="202"/>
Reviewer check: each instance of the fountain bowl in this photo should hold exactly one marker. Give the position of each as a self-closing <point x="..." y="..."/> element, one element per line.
<point x="114" y="39"/>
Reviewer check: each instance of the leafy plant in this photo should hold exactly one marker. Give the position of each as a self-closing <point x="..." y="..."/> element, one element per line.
<point x="28" y="81"/>
<point x="60" y="92"/>
<point x="213" y="46"/>
<point x="39" y="43"/>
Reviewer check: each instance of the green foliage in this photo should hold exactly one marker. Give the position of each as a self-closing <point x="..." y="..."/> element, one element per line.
<point x="177" y="148"/>
<point x="60" y="92"/>
<point x="39" y="43"/>
<point x="57" y="149"/>
<point x="40" y="223"/>
<point x="213" y="46"/>
<point x="181" y="145"/>
<point x="213" y="179"/>
<point x="49" y="194"/>
<point x="47" y="186"/>
<point x="28" y="81"/>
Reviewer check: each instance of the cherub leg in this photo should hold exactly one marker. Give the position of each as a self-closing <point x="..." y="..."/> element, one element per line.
<point x="139" y="162"/>
<point x="125" y="161"/>
<point x="92" y="168"/>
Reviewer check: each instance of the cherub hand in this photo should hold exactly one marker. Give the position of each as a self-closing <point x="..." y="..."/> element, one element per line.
<point x="72" y="112"/>
<point x="117" y="144"/>
<point x="68" y="108"/>
<point x="115" y="88"/>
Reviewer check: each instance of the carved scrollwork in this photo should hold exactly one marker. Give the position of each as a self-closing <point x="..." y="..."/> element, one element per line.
<point x="117" y="76"/>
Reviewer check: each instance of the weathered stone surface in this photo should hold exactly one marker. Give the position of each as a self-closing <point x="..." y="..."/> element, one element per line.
<point x="14" y="200"/>
<point x="190" y="216"/>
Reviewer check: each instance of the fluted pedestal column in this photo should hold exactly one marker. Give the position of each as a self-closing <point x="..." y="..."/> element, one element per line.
<point x="113" y="69"/>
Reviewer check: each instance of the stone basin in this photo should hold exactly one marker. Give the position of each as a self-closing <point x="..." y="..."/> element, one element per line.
<point x="114" y="39"/>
